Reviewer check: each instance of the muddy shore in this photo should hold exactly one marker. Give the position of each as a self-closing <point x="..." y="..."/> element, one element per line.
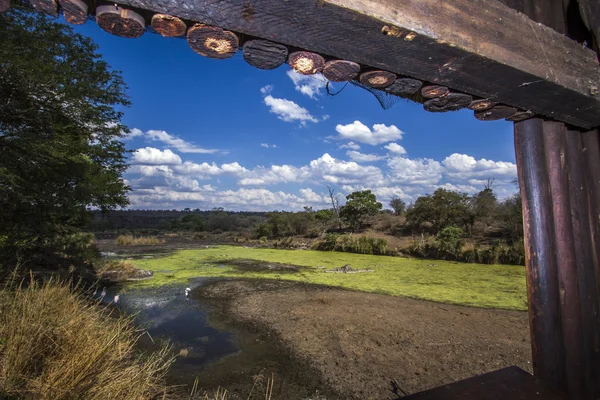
<point x="350" y="345"/>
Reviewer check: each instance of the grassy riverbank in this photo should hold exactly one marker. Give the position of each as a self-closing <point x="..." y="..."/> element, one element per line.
<point x="487" y="286"/>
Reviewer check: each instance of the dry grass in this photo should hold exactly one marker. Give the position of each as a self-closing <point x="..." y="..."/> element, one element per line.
<point x="261" y="389"/>
<point x="56" y="344"/>
<point x="130" y="240"/>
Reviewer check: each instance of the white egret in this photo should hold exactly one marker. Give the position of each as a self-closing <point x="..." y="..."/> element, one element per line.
<point x="103" y="294"/>
<point x="116" y="299"/>
<point x="187" y="292"/>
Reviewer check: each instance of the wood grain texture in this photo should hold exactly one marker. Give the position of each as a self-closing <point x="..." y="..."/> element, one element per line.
<point x="508" y="383"/>
<point x="168" y="25"/>
<point x="264" y="54"/>
<point x="74" y="11"/>
<point x="405" y="87"/>
<point x="306" y="62"/>
<point x="555" y="146"/>
<point x="212" y="41"/>
<point x="501" y="55"/>
<point x="450" y="102"/>
<point x="482" y="104"/>
<point x="541" y="269"/>
<point x="4" y="5"/>
<point x="433" y="91"/>
<point x="377" y="79"/>
<point x="495" y="113"/>
<point x="520" y="116"/>
<point x="49" y="7"/>
<point x="120" y="21"/>
<point x="340" y="70"/>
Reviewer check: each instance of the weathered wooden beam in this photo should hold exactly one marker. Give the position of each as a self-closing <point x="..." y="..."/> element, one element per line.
<point x="377" y="79"/>
<point x="168" y="25"/>
<point x="433" y="91"/>
<point x="498" y="54"/>
<point x="495" y="113"/>
<point x="120" y="21"/>
<point x="520" y="116"/>
<point x="306" y="62"/>
<point x="264" y="54"/>
<point x="540" y="244"/>
<point x="482" y="104"/>
<point x="4" y="5"/>
<point x="212" y="41"/>
<point x="449" y="102"/>
<point x="405" y="87"/>
<point x="340" y="70"/>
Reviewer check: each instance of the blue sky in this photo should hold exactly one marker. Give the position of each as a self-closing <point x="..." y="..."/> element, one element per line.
<point x="220" y="133"/>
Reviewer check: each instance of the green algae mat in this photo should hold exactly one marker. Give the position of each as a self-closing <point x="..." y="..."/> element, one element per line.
<point x="476" y="285"/>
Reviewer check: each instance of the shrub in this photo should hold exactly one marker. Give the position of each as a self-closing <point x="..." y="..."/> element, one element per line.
<point x="56" y="345"/>
<point x="351" y="244"/>
<point x="130" y="240"/>
<point x="449" y="242"/>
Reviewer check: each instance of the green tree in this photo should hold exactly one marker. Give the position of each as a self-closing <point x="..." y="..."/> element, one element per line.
<point x="359" y="206"/>
<point x="441" y="209"/>
<point x="485" y="205"/>
<point x="60" y="131"/>
<point x="398" y="205"/>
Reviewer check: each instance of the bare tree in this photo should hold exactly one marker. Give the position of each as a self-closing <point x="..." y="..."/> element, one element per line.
<point x="335" y="204"/>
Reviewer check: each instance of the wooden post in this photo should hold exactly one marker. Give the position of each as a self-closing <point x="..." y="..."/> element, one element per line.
<point x="542" y="272"/>
<point x="168" y="25"/>
<point x="433" y="91"/>
<point x="449" y="102"/>
<point x="120" y="21"/>
<point x="4" y="5"/>
<point x="482" y="104"/>
<point x="212" y="42"/>
<point x="306" y="62"/>
<point x="555" y="147"/>
<point x="377" y="79"/>
<point x="405" y="87"/>
<point x="46" y="6"/>
<point x="340" y="70"/>
<point x="264" y="54"/>
<point x="495" y="113"/>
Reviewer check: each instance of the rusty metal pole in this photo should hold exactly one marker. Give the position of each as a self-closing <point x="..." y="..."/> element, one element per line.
<point x="540" y="254"/>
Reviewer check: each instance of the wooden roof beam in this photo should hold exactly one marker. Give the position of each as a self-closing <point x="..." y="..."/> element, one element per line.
<point x="481" y="47"/>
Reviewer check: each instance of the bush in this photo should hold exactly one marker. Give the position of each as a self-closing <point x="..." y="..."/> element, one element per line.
<point x="56" y="345"/>
<point x="130" y="240"/>
<point x="351" y="244"/>
<point x="449" y="242"/>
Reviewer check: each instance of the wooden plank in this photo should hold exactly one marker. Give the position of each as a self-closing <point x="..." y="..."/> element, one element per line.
<point x="508" y="383"/>
<point x="500" y="55"/>
<point x="540" y="257"/>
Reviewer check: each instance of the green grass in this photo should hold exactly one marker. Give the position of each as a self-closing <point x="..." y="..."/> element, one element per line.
<point x="487" y="286"/>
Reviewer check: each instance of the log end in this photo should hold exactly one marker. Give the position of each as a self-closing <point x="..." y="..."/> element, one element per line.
<point x="340" y="70"/>
<point x="168" y="25"/>
<point x="433" y="91"/>
<point x="74" y="11"/>
<point x="212" y="42"/>
<point x="450" y="102"/>
<point x="264" y="54"/>
<point x="120" y="21"/>
<point x="482" y="104"/>
<point x="377" y="79"/>
<point x="4" y="5"/>
<point x="520" y="116"/>
<point x="46" y="6"/>
<point x="495" y="113"/>
<point x="306" y="62"/>
<point x="404" y="87"/>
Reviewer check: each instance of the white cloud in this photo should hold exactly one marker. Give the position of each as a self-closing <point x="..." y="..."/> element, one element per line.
<point x="395" y="148"/>
<point x="288" y="111"/>
<point x="350" y="145"/>
<point x="152" y="156"/>
<point x="310" y="196"/>
<point x="269" y="146"/>
<point x="177" y="143"/>
<point x="465" y="167"/>
<point x="415" y="172"/>
<point x="308" y="85"/>
<point x="135" y="132"/>
<point x="265" y="90"/>
<point x="361" y="157"/>
<point x="359" y="132"/>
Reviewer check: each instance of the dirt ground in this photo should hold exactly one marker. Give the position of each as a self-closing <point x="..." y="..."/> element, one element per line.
<point x="357" y="343"/>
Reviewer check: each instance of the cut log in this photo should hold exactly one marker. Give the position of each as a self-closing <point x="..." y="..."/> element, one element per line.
<point x="74" y="11"/>
<point x="168" y="25"/>
<point x="49" y="7"/>
<point x="4" y="5"/>
<point x="433" y="91"/>
<point x="306" y="62"/>
<point x="482" y="104"/>
<point x="520" y="116"/>
<point x="120" y="21"/>
<point x="212" y="42"/>
<point x="341" y="70"/>
<point x="495" y="113"/>
<point x="404" y="87"/>
<point x="377" y="79"/>
<point x="264" y="54"/>
<point x="450" y="102"/>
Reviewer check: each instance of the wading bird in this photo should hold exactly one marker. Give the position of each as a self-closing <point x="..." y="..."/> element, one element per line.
<point x="116" y="299"/>
<point x="187" y="292"/>
<point x="103" y="294"/>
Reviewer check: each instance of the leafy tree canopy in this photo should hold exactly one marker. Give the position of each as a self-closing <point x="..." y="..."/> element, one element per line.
<point x="359" y="206"/>
<point x="60" y="130"/>
<point x="398" y="205"/>
<point x="441" y="209"/>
